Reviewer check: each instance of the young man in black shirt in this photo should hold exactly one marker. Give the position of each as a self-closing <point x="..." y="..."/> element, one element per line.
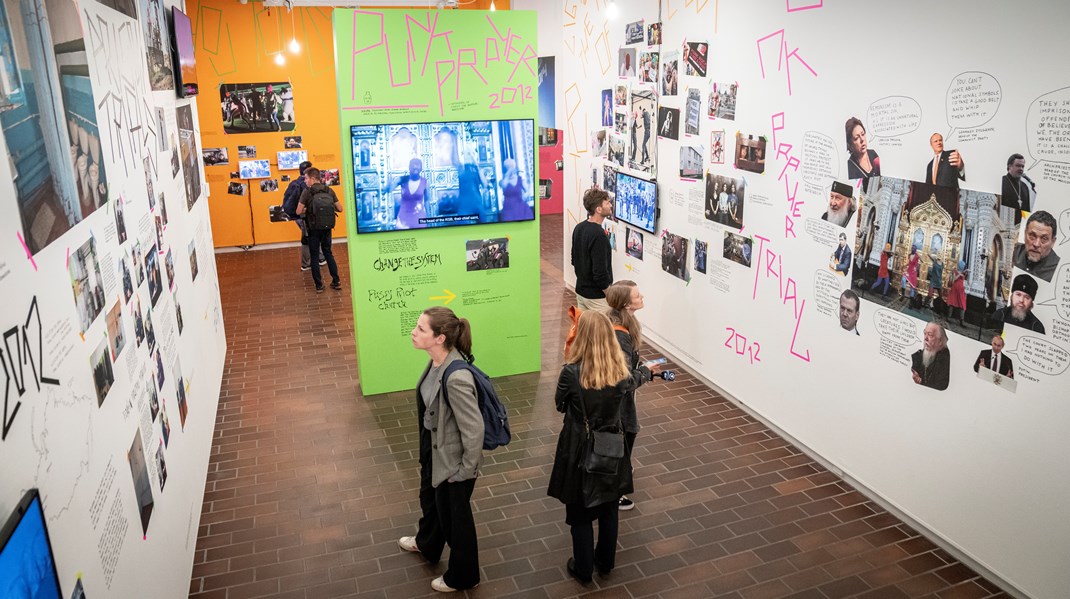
<point x="591" y="253"/>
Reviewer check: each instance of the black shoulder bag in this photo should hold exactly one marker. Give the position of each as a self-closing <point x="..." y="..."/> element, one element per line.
<point x="605" y="448"/>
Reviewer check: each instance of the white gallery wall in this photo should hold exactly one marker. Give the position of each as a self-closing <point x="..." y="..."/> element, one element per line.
<point x="979" y="464"/>
<point x="113" y="342"/>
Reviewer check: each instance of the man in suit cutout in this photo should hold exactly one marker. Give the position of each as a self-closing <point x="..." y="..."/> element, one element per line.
<point x="993" y="359"/>
<point x="946" y="167"/>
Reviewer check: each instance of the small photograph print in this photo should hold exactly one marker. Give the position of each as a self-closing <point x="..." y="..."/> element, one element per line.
<point x="277" y="215"/>
<point x="648" y="67"/>
<point x="139" y="265"/>
<point x="670" y="74"/>
<point x="643" y="149"/>
<point x="737" y="248"/>
<point x="607" y="108"/>
<point x="163" y="209"/>
<point x="178" y="316"/>
<point x="669" y="122"/>
<point x="291" y="160"/>
<point x="158" y="359"/>
<point x="161" y="127"/>
<point x="78" y="592"/>
<point x="254" y="169"/>
<point x="150" y="333"/>
<point x="598" y="143"/>
<point x="87" y="284"/>
<point x="193" y="267"/>
<point x="139" y="472"/>
<point x="695" y="58"/>
<point x="725" y="200"/>
<point x="717" y="150"/>
<point x="257" y="107"/>
<point x="620" y="96"/>
<point x="103" y="374"/>
<point x="128" y="281"/>
<point x="149" y="191"/>
<point x="626" y="56"/>
<point x="620" y="123"/>
<point x="236" y="189"/>
<point x="154" y="400"/>
<point x="609" y="179"/>
<point x="269" y="185"/>
<point x="692" y="111"/>
<point x="486" y="254"/>
<point x="159" y="231"/>
<point x="653" y="34"/>
<point x="722" y="103"/>
<point x="161" y="466"/>
<point x="116" y="331"/>
<point x="152" y="270"/>
<point x="139" y="324"/>
<point x="169" y="266"/>
<point x="634" y="245"/>
<point x="633" y="32"/>
<point x="246" y="152"/>
<point x="285" y="178"/>
<point x="183" y="409"/>
<point x="215" y="156"/>
<point x="700" y="256"/>
<point x="750" y="153"/>
<point x="691" y="162"/>
<point x="674" y="256"/>
<point x="291" y="142"/>
<point x="616" y="150"/>
<point x="165" y="423"/>
<point x="120" y="221"/>
<point x="235" y="175"/>
<point x="330" y="177"/>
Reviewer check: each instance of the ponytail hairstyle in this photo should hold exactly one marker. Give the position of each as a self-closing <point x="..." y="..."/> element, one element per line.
<point x="597" y="351"/>
<point x="458" y="331"/>
<point x="619" y="296"/>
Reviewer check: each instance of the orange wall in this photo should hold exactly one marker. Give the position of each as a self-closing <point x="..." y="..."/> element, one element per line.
<point x="237" y="43"/>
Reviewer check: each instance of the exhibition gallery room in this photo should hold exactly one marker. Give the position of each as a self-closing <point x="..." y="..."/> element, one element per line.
<point x="534" y="299"/>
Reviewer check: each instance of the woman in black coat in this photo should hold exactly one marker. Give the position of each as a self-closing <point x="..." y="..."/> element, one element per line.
<point x="590" y="392"/>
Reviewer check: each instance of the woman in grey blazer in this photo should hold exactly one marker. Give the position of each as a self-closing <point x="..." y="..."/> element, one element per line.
<point x="451" y="450"/>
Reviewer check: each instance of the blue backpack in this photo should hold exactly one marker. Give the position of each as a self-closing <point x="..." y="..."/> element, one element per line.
<point x="495" y="419"/>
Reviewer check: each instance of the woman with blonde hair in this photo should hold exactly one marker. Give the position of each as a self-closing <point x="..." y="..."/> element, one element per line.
<point x="590" y="393"/>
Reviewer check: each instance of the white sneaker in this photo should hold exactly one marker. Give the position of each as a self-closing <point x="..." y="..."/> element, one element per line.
<point x="439" y="584"/>
<point x="408" y="544"/>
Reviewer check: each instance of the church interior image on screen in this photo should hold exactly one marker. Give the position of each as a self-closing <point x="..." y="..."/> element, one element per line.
<point x="414" y="176"/>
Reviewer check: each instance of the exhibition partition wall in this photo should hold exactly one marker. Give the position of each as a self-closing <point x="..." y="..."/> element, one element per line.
<point x="113" y="342"/>
<point x="838" y="191"/>
<point x="438" y="113"/>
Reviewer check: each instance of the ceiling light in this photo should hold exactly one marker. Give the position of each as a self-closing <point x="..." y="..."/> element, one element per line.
<point x="492" y="5"/>
<point x="295" y="47"/>
<point x="280" y="59"/>
<point x="611" y="10"/>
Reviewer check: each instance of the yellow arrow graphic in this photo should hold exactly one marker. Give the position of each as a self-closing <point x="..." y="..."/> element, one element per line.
<point x="448" y="297"/>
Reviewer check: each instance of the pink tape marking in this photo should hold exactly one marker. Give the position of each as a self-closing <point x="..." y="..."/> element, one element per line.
<point x="385" y="106"/>
<point x="27" y="249"/>
<point x="817" y="4"/>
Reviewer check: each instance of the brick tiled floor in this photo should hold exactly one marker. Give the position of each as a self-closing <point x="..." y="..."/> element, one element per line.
<point x="311" y="483"/>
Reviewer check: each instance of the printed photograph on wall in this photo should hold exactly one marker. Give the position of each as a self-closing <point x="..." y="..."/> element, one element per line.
<point x="269" y="185"/>
<point x="725" y="200"/>
<point x="620" y="123"/>
<point x="49" y="121"/>
<point x="124" y="275"/>
<point x="653" y="34"/>
<point x="236" y="189"/>
<point x="161" y="466"/>
<point x="257" y="107"/>
<point x="215" y="156"/>
<point x="331" y="177"/>
<point x="670" y="74"/>
<point x="750" y="153"/>
<point x="695" y="57"/>
<point x="691" y="162"/>
<point x="139" y="472"/>
<point x="87" y="284"/>
<point x="193" y="266"/>
<point x="116" y="331"/>
<point x="150" y="332"/>
<point x="120" y="220"/>
<point x="634" y="245"/>
<point x="616" y="149"/>
<point x="737" y="248"/>
<point x="674" y="256"/>
<point x="191" y="167"/>
<point x="124" y="6"/>
<point x="722" y="103"/>
<point x="692" y="111"/>
<point x="648" y="67"/>
<point x="547" y="77"/>
<point x="139" y="324"/>
<point x="620" y="96"/>
<point x="609" y="179"/>
<point x="598" y="143"/>
<point x="165" y="422"/>
<point x="157" y="36"/>
<point x="103" y="373"/>
<point x="607" y="108"/>
<point x="161" y="130"/>
<point x="626" y="65"/>
<point x="633" y="32"/>
<point x="180" y="395"/>
<point x="486" y="254"/>
<point x="717" y="149"/>
<point x="152" y="270"/>
<point x="642" y="149"/>
<point x="169" y="268"/>
<point x="701" y="251"/>
<point x="291" y="142"/>
<point x="668" y="122"/>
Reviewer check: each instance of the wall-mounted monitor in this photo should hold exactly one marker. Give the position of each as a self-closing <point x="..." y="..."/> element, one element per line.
<point x="27" y="568"/>
<point x="254" y="169"/>
<point x="182" y="51"/>
<point x="636" y="202"/>
<point x="423" y="175"/>
<point x="290" y="160"/>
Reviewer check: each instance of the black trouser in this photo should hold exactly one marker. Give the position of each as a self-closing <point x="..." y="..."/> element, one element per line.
<point x="321" y="241"/>
<point x="447" y="519"/>
<point x="585" y="553"/>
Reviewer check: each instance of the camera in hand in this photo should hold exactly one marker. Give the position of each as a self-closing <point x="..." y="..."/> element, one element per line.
<point x="668" y="375"/>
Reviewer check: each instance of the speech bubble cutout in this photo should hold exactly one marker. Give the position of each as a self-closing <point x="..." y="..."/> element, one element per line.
<point x="1064" y="226"/>
<point x="821" y="159"/>
<point x="1047" y="127"/>
<point x="1061" y="299"/>
<point x="972" y="100"/>
<point x="827" y="292"/>
<point x="896" y="327"/>
<point x="1040" y="355"/>
<point x="893" y="116"/>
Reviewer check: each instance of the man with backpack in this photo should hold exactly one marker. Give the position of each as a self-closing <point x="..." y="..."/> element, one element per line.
<point x="319" y="205"/>
<point x="289" y="206"/>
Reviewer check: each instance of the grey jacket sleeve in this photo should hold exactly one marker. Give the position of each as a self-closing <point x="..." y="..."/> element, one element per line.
<point x="465" y="405"/>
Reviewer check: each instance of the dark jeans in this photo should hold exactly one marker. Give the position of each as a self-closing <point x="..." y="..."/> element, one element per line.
<point x="583" y="549"/>
<point x="447" y="519"/>
<point x="321" y="241"/>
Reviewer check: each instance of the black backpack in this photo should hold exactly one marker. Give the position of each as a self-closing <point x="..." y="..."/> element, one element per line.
<point x="495" y="419"/>
<point x="321" y="213"/>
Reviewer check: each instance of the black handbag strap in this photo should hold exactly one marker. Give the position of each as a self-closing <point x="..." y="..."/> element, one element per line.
<point x="583" y="404"/>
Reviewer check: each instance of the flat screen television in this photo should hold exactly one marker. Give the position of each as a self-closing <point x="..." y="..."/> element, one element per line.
<point x="254" y="169"/>
<point x="182" y="51"/>
<point x="424" y="175"/>
<point x="27" y="569"/>
<point x="636" y="202"/>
